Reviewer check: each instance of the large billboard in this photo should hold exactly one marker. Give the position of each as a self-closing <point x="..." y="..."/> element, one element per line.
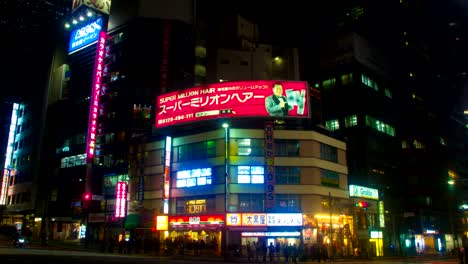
<point x="85" y="35"/>
<point x="102" y="6"/>
<point x="265" y="98"/>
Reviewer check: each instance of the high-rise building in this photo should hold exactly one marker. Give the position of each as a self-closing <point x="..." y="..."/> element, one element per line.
<point x="142" y="51"/>
<point x="32" y="29"/>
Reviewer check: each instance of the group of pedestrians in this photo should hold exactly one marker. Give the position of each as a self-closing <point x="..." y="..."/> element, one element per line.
<point x="257" y="252"/>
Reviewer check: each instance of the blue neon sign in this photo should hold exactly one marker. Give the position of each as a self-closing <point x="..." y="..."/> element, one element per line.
<point x="85" y="35"/>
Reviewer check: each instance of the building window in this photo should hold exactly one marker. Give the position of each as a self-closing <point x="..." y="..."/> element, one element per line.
<point x="249" y="147"/>
<point x="288" y="202"/>
<point x="346" y="78"/>
<point x="388" y="93"/>
<point x="369" y="82"/>
<point x="418" y="144"/>
<point x="350" y="121"/>
<point x="195" y="206"/>
<point x="288" y="175"/>
<point x="329" y="178"/>
<point x="195" y="151"/>
<point x="251" y="174"/>
<point x="195" y="177"/>
<point x="244" y="63"/>
<point x="329" y="84"/>
<point x="328" y="153"/>
<point x="380" y="126"/>
<point x="224" y="61"/>
<point x="332" y="124"/>
<point x="286" y="148"/>
<point x="251" y="202"/>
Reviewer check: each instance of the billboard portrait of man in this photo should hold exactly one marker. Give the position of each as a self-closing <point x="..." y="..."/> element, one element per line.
<point x="277" y="104"/>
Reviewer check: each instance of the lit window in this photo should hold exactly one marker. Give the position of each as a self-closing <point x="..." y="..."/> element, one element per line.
<point x="250" y="174"/>
<point x="351" y="121"/>
<point x="332" y="124"/>
<point x="195" y="177"/>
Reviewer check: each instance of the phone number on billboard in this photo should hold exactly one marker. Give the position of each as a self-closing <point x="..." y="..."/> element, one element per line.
<point x="176" y="118"/>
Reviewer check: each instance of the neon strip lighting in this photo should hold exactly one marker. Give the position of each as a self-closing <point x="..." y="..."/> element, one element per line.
<point x="167" y="174"/>
<point x="9" y="151"/>
<point x="95" y="94"/>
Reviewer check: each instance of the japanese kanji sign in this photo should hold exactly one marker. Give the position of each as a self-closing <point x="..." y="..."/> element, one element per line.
<point x="233" y="99"/>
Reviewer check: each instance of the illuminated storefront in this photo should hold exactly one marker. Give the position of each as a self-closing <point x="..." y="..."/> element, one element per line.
<point x="265" y="228"/>
<point x="205" y="231"/>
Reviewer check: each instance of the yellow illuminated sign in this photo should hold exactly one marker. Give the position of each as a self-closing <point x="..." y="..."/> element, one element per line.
<point x="162" y="222"/>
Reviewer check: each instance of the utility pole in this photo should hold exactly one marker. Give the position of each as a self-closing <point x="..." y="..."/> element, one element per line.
<point x="331" y="226"/>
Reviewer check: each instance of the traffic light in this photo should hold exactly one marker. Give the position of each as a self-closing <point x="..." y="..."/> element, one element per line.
<point x="86" y="200"/>
<point x="361" y="204"/>
<point x="87" y="197"/>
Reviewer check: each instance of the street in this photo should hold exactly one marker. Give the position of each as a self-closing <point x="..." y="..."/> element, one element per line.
<point x="28" y="255"/>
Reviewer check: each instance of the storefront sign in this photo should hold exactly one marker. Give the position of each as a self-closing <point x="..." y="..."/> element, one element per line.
<point x="196" y="220"/>
<point x="363" y="192"/>
<point x="270" y="199"/>
<point x="233" y="219"/>
<point x="271" y="234"/>
<point x="120" y="199"/>
<point x="284" y="219"/>
<point x="167" y="172"/>
<point x="162" y="222"/>
<point x="254" y="220"/>
<point x="262" y="219"/>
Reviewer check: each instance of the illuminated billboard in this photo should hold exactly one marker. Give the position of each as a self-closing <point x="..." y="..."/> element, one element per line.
<point x="102" y="6"/>
<point x="265" y="98"/>
<point x="85" y="35"/>
<point x="120" y="199"/>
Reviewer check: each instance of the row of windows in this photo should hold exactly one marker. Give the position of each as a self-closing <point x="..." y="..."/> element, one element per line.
<point x="247" y="203"/>
<point x="352" y="120"/>
<point x="249" y="175"/>
<point x="334" y="124"/>
<point x="348" y="78"/>
<point x="380" y="126"/>
<point x="19" y="198"/>
<point x="73" y="161"/>
<point x="240" y="147"/>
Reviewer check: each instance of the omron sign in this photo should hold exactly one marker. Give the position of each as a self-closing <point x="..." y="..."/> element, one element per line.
<point x="233" y="99"/>
<point x="85" y="36"/>
<point x="363" y="192"/>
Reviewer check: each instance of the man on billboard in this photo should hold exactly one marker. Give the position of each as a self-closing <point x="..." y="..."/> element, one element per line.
<point x="277" y="104"/>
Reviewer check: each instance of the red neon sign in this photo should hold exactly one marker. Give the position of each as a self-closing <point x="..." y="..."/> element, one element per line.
<point x="120" y="199"/>
<point x="95" y="94"/>
<point x="234" y="99"/>
<point x="197" y="220"/>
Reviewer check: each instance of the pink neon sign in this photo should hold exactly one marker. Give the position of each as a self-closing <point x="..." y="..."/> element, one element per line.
<point x="95" y="94"/>
<point x="234" y="99"/>
<point x="120" y="199"/>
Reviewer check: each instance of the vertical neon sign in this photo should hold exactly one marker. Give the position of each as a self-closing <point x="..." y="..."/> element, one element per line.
<point x="95" y="94"/>
<point x="167" y="173"/>
<point x="120" y="199"/>
<point x="9" y="151"/>
<point x="270" y="199"/>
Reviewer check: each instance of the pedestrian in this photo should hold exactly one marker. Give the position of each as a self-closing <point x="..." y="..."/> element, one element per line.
<point x="271" y="252"/>
<point x="294" y="253"/>
<point x="286" y="253"/>
<point x="250" y="252"/>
